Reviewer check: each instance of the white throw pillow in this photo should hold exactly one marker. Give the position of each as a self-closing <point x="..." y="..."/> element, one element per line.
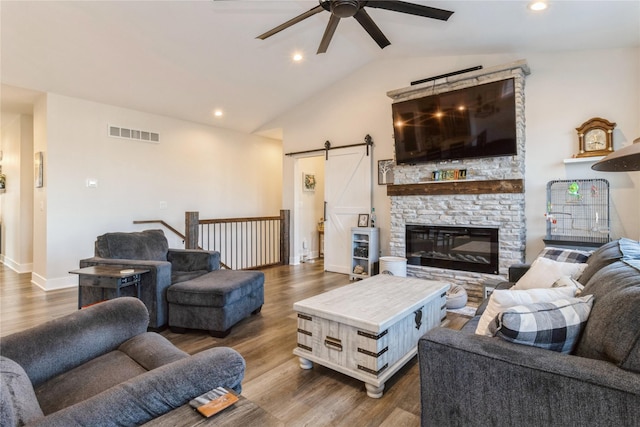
<point x="502" y="299"/>
<point x="544" y="272"/>
<point x="565" y="281"/>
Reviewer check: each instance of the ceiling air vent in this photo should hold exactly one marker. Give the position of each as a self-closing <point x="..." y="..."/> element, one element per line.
<point x="136" y="135"/>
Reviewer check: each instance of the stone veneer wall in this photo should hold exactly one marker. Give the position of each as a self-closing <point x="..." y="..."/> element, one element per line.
<point x="503" y="211"/>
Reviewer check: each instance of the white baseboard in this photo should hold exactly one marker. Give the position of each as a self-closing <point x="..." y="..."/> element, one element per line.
<point x="54" y="284"/>
<point x="18" y="268"/>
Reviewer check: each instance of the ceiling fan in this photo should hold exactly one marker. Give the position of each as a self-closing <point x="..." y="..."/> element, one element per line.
<point x="355" y="8"/>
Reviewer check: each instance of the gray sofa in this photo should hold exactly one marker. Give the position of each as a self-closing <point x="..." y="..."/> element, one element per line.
<point x="99" y="366"/>
<point x="473" y="380"/>
<point x="149" y="250"/>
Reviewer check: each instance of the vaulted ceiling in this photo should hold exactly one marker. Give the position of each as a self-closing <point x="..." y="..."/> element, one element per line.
<point x="185" y="59"/>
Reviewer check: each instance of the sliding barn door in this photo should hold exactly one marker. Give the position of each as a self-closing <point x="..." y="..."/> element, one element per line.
<point x="348" y="192"/>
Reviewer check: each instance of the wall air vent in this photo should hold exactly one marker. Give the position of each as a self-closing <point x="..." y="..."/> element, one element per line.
<point x="137" y="135"/>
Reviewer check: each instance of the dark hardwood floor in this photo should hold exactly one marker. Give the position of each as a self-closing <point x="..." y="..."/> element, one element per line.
<point x="273" y="380"/>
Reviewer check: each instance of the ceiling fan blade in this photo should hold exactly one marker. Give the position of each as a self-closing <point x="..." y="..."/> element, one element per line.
<point x="367" y="23"/>
<point x="411" y="8"/>
<point x="328" y="34"/>
<point x="291" y="22"/>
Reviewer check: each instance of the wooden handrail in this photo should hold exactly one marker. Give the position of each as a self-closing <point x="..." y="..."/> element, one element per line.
<point x="230" y="220"/>
<point x="164" y="224"/>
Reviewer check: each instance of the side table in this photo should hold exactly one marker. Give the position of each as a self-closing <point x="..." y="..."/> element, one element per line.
<point x="108" y="277"/>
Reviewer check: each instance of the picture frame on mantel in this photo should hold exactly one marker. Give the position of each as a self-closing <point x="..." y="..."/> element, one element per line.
<point x="385" y="172"/>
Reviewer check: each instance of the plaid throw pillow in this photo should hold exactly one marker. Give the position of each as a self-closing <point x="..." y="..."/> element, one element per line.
<point x="565" y="255"/>
<point x="550" y="325"/>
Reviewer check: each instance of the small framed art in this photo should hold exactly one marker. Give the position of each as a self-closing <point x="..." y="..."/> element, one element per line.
<point x="385" y="172"/>
<point x="363" y="220"/>
<point x="308" y="182"/>
<point x="38" y="169"/>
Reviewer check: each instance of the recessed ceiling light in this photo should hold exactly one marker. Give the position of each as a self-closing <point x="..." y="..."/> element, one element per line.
<point x="297" y="57"/>
<point x="538" y="5"/>
<point x="217" y="113"/>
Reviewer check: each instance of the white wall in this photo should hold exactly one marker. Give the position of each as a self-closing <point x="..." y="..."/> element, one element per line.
<point x="561" y="94"/>
<point x="563" y="91"/>
<point x="16" y="204"/>
<point x="217" y="172"/>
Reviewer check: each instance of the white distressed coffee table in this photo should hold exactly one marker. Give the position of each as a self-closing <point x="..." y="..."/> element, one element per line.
<point x="370" y="329"/>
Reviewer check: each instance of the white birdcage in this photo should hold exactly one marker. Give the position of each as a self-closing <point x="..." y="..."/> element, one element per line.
<point x="578" y="211"/>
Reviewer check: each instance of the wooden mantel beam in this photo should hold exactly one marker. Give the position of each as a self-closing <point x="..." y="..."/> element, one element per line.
<point x="438" y="188"/>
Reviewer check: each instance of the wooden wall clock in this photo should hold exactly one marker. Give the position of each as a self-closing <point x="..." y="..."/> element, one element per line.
<point x="595" y="138"/>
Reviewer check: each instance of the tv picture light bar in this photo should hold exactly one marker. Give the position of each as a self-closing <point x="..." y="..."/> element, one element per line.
<point x="441" y="76"/>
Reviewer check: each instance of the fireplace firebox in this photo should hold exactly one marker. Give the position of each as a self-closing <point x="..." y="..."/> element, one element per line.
<point x="472" y="249"/>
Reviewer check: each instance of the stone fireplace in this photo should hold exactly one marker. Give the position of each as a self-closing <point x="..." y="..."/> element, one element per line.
<point x="490" y="198"/>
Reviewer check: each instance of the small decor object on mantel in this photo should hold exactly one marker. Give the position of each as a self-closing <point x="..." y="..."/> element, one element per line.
<point x="449" y="175"/>
<point x="595" y="138"/>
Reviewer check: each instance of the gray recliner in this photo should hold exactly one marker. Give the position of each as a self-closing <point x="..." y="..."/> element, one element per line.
<point x="149" y="250"/>
<point x="100" y="367"/>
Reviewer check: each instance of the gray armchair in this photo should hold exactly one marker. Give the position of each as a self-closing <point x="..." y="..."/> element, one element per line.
<point x="149" y="250"/>
<point x="99" y="367"/>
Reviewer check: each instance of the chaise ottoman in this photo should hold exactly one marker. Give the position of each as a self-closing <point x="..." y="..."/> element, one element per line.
<point x="215" y="301"/>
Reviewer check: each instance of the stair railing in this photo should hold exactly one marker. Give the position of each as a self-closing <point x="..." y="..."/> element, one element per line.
<point x="243" y="243"/>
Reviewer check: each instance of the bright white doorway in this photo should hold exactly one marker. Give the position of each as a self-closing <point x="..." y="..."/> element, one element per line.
<point x="347" y="190"/>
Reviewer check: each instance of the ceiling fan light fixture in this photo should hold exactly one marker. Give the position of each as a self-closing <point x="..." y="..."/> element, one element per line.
<point x="344" y="8"/>
<point x="356" y="9"/>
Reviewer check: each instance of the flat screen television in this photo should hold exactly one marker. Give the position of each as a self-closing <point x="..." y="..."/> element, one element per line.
<point x="478" y="121"/>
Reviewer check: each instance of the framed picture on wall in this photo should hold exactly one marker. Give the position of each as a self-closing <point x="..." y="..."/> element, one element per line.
<point x="308" y="182"/>
<point x="38" y="169"/>
<point x="385" y="172"/>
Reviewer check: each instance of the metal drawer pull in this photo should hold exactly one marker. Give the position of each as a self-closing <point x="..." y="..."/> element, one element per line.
<point x="333" y="343"/>
<point x="305" y="347"/>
